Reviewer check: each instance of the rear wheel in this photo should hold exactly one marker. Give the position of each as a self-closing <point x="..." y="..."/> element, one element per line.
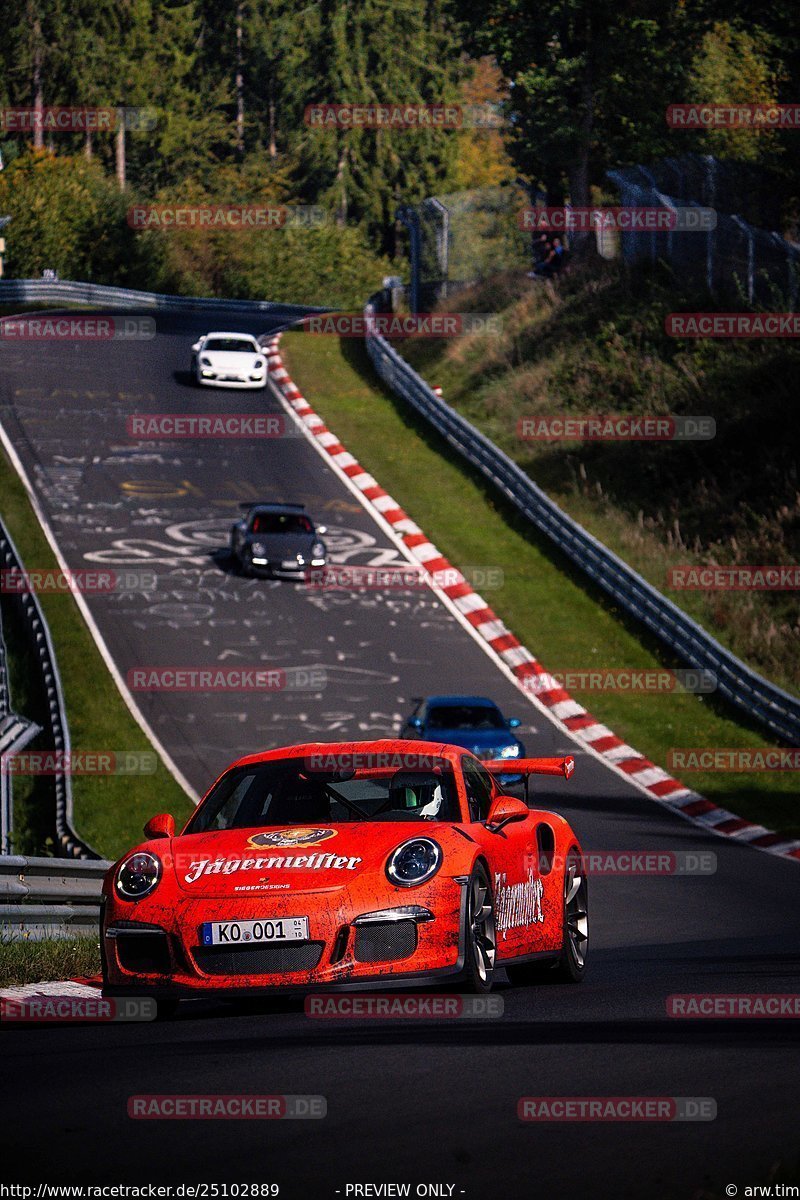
<point x="570" y="966"/>
<point x="480" y="933"/>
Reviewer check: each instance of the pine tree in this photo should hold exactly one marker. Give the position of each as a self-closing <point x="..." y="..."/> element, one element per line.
<point x="377" y="52"/>
<point x="590" y="80"/>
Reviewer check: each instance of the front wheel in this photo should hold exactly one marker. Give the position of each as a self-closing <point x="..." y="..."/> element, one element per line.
<point x="480" y="933"/>
<point x="237" y="559"/>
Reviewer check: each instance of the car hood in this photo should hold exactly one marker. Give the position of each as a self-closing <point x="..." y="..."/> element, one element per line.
<point x="231" y="360"/>
<point x="303" y="859"/>
<point x="283" y="545"/>
<point x="479" y="741"/>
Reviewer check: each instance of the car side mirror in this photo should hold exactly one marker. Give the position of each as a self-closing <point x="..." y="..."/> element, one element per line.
<point x="514" y="723"/>
<point x="505" y="810"/>
<point x="196" y="346"/>
<point x="322" y="529"/>
<point x="415" y="723"/>
<point x="160" y="826"/>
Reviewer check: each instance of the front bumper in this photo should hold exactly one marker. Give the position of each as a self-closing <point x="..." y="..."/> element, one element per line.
<point x="250" y="385"/>
<point x="161" y="953"/>
<point x="274" y="569"/>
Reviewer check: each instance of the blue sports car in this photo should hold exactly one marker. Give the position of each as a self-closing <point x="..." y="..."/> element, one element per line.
<point x="472" y="722"/>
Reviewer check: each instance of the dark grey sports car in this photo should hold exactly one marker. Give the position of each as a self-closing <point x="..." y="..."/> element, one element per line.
<point x="277" y="539"/>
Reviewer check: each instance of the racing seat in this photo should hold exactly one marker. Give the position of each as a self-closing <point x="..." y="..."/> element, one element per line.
<point x="416" y="794"/>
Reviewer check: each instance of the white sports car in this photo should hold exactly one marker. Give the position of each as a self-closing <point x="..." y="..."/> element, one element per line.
<point x="229" y="360"/>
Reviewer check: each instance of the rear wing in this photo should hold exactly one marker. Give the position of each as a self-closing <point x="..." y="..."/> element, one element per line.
<point x="531" y="766"/>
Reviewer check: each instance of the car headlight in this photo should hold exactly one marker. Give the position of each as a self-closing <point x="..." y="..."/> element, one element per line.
<point x="317" y="550"/>
<point x="138" y="876"/>
<point x="259" y="549"/>
<point x="258" y="364"/>
<point x="414" y="862"/>
<point x="205" y="362"/>
<point x="510" y="751"/>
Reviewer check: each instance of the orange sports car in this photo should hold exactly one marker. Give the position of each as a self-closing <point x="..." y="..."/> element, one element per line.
<point x="351" y="864"/>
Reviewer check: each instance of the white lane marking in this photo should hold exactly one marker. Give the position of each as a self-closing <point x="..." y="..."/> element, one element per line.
<point x="105" y="653"/>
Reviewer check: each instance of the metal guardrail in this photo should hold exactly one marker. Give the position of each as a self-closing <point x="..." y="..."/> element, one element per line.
<point x="61" y="291"/>
<point x="15" y="733"/>
<point x="761" y="700"/>
<point x="41" y="897"/>
<point x="57" y="729"/>
<point x="5" y="687"/>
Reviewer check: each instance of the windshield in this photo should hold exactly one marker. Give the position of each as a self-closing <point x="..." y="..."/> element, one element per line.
<point x="465" y="716"/>
<point x="281" y="523"/>
<point x="290" y="792"/>
<point x="232" y="345"/>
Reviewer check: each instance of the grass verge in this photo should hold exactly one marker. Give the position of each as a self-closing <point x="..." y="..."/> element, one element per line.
<point x="52" y="958"/>
<point x="597" y="344"/>
<point x="109" y="810"/>
<point x="554" y="612"/>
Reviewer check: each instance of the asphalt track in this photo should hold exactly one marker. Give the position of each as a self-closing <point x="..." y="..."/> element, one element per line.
<point x="407" y="1102"/>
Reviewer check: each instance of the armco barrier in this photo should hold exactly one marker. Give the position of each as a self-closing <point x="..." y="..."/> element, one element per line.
<point x="5" y="689"/>
<point x="61" y="291"/>
<point x="15" y="733"/>
<point x="761" y="700"/>
<point x="42" y="897"/>
<point x="57" y="729"/>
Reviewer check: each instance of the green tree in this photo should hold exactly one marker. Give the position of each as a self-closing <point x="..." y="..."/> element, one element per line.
<point x="590" y="80"/>
<point x="34" y="51"/>
<point x="68" y="214"/>
<point x="157" y="69"/>
<point x="280" y="70"/>
<point x="374" y="52"/>
<point x="133" y="54"/>
<point x="257" y="53"/>
<point x="732" y="67"/>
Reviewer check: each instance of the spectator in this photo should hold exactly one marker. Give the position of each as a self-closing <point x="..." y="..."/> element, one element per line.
<point x="541" y="248"/>
<point x="553" y="262"/>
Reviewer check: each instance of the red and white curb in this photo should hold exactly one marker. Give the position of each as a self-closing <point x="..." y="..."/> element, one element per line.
<point x="532" y="678"/>
<point x="74" y="989"/>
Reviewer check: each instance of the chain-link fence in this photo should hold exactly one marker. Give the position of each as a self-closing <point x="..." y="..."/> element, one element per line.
<point x="466" y="236"/>
<point x="735" y="258"/>
<point x="733" y="187"/>
<point x="461" y="238"/>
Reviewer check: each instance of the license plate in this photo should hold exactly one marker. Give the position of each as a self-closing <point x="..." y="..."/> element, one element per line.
<point x="290" y="564"/>
<point x="234" y="933"/>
